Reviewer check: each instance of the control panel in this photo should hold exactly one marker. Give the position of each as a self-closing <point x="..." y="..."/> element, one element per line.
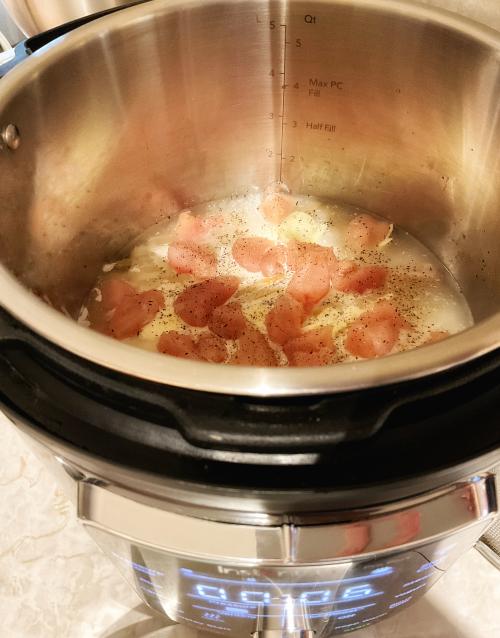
<point x="337" y="598"/>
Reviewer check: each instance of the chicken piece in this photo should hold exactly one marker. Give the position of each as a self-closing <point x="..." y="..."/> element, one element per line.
<point x="189" y="257"/>
<point x="178" y="345"/>
<point x="248" y="252"/>
<point x="351" y="277"/>
<point x="376" y="332"/>
<point x="365" y="231"/>
<point x="312" y="265"/>
<point x="313" y="348"/>
<point x="228" y="321"/>
<point x="276" y="207"/>
<point x="211" y="348"/>
<point x="114" y="290"/>
<point x="207" y="347"/>
<point x="254" y="350"/>
<point x="196" y="304"/>
<point x="274" y="261"/>
<point x="123" y="312"/>
<point x="302" y="254"/>
<point x="191" y="227"/>
<point x="285" y="320"/>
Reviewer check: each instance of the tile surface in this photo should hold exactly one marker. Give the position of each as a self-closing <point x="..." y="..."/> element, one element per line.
<point x="55" y="582"/>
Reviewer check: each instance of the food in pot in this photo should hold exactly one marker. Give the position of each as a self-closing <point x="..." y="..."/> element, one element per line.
<point x="277" y="280"/>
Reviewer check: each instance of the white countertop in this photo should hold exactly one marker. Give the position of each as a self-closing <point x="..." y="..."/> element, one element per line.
<point x="55" y="583"/>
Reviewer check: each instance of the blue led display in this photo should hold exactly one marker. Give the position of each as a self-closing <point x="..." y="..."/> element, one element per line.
<point x="350" y="625"/>
<point x="400" y="602"/>
<point x="229" y="610"/>
<point x="213" y="616"/>
<point x="425" y="567"/>
<point x="382" y="571"/>
<point x="419" y="580"/>
<point x="359" y="598"/>
<point x="247" y="598"/>
<point x="255" y="596"/>
<point x="148" y="582"/>
<point x="372" y="618"/>
<point x="358" y="591"/>
<point x="138" y="567"/>
<point x="409" y="591"/>
<point x="236" y="611"/>
<point x="211" y="592"/>
<point x="316" y="597"/>
<point x="376" y="573"/>
<point x="340" y="612"/>
<point x="236" y="598"/>
<point x="311" y="597"/>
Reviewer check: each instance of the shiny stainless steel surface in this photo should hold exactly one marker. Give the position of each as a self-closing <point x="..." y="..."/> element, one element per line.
<point x="367" y="533"/>
<point x="293" y="623"/>
<point x="338" y="596"/>
<point x="215" y="553"/>
<point x="9" y="138"/>
<point x="412" y="135"/>
<point x="198" y="571"/>
<point x="34" y="16"/>
<point x="485" y="11"/>
<point x="232" y="505"/>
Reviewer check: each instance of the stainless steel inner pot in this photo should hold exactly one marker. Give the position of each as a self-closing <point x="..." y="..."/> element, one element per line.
<point x="383" y="104"/>
<point x="33" y="16"/>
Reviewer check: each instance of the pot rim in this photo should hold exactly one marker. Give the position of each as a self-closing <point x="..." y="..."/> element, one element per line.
<point x="64" y="332"/>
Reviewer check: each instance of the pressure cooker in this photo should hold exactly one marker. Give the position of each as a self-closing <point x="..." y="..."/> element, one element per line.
<point x="255" y="500"/>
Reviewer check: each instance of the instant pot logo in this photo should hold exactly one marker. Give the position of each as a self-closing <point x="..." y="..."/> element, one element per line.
<point x="248" y="572"/>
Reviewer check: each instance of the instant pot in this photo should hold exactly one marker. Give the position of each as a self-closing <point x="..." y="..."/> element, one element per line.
<point x="253" y="500"/>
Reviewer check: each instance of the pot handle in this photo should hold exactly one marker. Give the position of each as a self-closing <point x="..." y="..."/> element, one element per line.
<point x="255" y="424"/>
<point x="239" y="422"/>
<point x="26" y="47"/>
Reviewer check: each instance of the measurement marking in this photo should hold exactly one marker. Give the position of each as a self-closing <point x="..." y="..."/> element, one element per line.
<point x="283" y="89"/>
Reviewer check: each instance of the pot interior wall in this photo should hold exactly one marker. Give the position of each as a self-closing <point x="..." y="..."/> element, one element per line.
<point x="123" y="127"/>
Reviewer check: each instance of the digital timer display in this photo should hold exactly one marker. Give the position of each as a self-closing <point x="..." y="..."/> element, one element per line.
<point x="237" y="597"/>
<point x="362" y="592"/>
<point x="227" y="599"/>
<point x="335" y="598"/>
